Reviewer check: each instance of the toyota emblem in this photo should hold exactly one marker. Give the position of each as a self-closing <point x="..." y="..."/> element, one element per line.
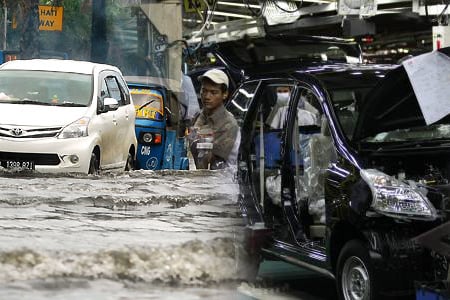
<point x="17" y="131"/>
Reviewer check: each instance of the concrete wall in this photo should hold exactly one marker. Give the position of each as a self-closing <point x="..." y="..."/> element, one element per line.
<point x="166" y="17"/>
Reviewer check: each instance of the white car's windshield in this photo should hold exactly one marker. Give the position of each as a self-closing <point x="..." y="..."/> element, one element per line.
<point x="148" y="103"/>
<point x="45" y="88"/>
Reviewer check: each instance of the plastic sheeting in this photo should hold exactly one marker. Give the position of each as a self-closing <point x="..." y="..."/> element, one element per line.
<point x="317" y="152"/>
<point x="273" y="188"/>
<point x="317" y="157"/>
<point x="317" y="210"/>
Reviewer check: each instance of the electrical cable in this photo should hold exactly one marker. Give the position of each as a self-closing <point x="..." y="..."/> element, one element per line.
<point x="209" y="16"/>
<point x="209" y="13"/>
<point x="194" y="15"/>
<point x="191" y="17"/>
<point x="252" y="11"/>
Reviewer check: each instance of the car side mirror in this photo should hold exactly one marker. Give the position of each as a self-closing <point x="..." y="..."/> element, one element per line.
<point x="110" y="104"/>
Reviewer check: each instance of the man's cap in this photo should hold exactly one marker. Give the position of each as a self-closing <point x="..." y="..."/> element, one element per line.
<point x="215" y="75"/>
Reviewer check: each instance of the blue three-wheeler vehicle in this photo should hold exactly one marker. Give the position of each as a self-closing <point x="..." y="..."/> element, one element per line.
<point x="161" y="143"/>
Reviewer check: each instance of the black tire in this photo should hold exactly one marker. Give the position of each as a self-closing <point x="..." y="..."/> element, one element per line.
<point x="94" y="165"/>
<point x="129" y="165"/>
<point x="355" y="278"/>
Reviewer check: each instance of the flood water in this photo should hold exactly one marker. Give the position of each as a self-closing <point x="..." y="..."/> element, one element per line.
<point x="130" y="235"/>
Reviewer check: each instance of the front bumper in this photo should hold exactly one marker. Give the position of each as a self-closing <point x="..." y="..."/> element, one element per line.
<point x="399" y="260"/>
<point x="50" y="155"/>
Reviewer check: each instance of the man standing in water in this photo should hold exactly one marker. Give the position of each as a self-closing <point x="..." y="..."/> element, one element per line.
<point x="215" y="137"/>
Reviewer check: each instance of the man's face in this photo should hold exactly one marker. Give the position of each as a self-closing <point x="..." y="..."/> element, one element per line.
<point x="211" y="95"/>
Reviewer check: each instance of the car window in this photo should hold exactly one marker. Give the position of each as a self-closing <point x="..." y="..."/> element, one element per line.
<point x="307" y="113"/>
<point x="240" y="101"/>
<point x="346" y="105"/>
<point x="148" y="103"/>
<point x="272" y="108"/>
<point x="104" y="93"/>
<point x="114" y="89"/>
<point x="125" y="91"/>
<point x="310" y="150"/>
<point x="266" y="142"/>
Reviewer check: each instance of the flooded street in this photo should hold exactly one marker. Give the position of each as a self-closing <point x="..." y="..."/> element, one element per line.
<point x="132" y="235"/>
<point x="136" y="235"/>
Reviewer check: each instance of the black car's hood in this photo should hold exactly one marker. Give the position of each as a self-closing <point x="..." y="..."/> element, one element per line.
<point x="391" y="105"/>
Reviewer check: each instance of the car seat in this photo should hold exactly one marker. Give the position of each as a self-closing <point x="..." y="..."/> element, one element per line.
<point x="321" y="152"/>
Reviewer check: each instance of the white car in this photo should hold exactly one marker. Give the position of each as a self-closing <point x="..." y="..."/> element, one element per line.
<point x="65" y="116"/>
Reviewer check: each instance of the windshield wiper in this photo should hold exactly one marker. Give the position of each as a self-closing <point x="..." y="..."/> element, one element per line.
<point x="28" y="101"/>
<point x="70" y="104"/>
<point x="402" y="145"/>
<point x="145" y="104"/>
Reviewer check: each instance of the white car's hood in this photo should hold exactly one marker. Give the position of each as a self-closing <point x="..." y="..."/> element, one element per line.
<point x="39" y="115"/>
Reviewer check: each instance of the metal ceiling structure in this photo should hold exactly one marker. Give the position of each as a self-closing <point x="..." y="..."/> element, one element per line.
<point x="323" y="17"/>
<point x="386" y="29"/>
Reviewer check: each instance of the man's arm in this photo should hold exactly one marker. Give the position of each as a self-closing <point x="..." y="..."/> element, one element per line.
<point x="224" y="139"/>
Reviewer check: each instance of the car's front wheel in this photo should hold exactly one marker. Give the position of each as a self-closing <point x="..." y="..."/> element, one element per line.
<point x="94" y="165"/>
<point x="355" y="277"/>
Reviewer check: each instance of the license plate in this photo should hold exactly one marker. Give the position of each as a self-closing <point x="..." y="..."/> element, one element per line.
<point x="18" y="165"/>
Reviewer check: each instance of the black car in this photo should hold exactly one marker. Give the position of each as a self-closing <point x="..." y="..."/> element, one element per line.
<point x="347" y="192"/>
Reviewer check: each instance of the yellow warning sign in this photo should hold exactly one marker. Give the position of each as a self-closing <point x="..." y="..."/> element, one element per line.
<point x="194" y="5"/>
<point x="50" y="17"/>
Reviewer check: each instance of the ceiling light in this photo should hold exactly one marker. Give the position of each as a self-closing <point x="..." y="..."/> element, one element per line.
<point x="198" y="21"/>
<point x="192" y="20"/>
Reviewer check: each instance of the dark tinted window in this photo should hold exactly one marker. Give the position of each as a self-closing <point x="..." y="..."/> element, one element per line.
<point x="239" y="103"/>
<point x="347" y="104"/>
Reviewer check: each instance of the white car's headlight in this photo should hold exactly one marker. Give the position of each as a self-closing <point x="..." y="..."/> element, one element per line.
<point x="395" y="198"/>
<point x="77" y="129"/>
